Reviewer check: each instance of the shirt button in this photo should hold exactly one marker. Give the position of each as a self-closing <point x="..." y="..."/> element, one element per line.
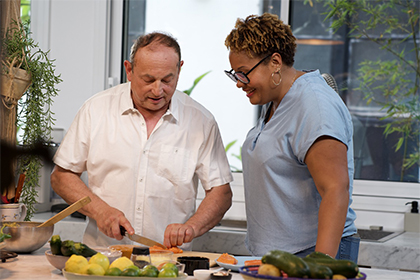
<point x="141" y="180"/>
<point x="138" y="209"/>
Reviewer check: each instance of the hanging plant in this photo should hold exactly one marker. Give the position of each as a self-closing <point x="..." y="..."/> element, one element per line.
<point x="34" y="111"/>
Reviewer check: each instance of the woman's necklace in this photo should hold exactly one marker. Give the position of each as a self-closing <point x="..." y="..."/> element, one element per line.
<point x="273" y="108"/>
<point x="293" y="81"/>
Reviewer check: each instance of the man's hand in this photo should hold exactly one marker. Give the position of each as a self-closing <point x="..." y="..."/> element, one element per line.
<point x="109" y="221"/>
<point x="211" y="210"/>
<point x="178" y="234"/>
<point x="71" y="188"/>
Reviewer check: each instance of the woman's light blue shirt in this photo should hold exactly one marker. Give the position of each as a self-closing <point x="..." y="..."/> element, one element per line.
<point x="281" y="198"/>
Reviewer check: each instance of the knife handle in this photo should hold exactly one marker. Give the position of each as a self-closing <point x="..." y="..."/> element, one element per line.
<point x="122" y="230"/>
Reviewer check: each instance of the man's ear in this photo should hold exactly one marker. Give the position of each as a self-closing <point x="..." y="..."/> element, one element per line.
<point x="128" y="69"/>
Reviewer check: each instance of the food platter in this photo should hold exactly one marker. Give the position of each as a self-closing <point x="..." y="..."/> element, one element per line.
<point x="248" y="273"/>
<point x="241" y="262"/>
<point x="77" y="276"/>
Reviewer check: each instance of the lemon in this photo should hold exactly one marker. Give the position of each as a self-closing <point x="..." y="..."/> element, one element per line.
<point x="122" y="263"/>
<point x="113" y="271"/>
<point x="100" y="259"/>
<point x="170" y="266"/>
<point x="76" y="264"/>
<point x="167" y="272"/>
<point x="94" y="269"/>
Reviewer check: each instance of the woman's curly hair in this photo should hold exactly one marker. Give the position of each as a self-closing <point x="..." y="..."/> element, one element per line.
<point x="262" y="35"/>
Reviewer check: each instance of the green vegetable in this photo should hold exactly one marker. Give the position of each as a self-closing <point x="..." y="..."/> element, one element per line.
<point x="320" y="255"/>
<point x="293" y="265"/>
<point x="84" y="250"/>
<point x="319" y="271"/>
<point x="69" y="247"/>
<point x="346" y="268"/>
<point x="55" y="245"/>
<point x="4" y="236"/>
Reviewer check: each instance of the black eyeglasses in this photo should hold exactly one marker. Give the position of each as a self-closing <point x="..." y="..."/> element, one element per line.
<point x="241" y="76"/>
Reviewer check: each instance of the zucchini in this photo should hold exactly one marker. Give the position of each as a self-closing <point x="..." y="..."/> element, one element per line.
<point x="67" y="248"/>
<point x="292" y="265"/>
<point x="318" y="271"/>
<point x="320" y="255"/>
<point x="55" y="245"/>
<point x="346" y="268"/>
<point x="84" y="250"/>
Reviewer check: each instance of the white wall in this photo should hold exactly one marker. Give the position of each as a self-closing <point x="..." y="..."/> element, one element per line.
<point x="75" y="32"/>
<point x="85" y="43"/>
<point x="201" y="27"/>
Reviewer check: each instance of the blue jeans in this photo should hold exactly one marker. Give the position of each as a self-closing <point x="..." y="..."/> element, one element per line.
<point x="347" y="250"/>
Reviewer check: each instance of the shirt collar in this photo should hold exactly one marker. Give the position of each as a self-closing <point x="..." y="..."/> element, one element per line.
<point x="127" y="105"/>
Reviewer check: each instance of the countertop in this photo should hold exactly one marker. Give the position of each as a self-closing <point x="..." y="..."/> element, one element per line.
<point x="36" y="266"/>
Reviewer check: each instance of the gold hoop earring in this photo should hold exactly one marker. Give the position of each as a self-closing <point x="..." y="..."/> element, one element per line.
<point x="272" y="77"/>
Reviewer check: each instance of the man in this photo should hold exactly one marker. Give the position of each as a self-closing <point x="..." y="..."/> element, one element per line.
<point x="144" y="145"/>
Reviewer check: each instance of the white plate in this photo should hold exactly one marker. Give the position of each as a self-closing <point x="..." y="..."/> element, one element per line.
<point x="241" y="263"/>
<point x="77" y="276"/>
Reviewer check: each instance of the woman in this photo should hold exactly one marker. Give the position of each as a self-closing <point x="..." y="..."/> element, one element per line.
<point x="298" y="159"/>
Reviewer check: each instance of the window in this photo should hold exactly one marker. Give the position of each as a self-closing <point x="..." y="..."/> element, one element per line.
<point x="344" y="56"/>
<point x="338" y="54"/>
<point x="133" y="27"/>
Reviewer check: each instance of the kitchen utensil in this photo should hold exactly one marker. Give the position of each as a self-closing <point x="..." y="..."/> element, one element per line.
<point x="211" y="256"/>
<point x="19" y="187"/>
<point x="204" y="274"/>
<point x="140" y="239"/>
<point x="193" y="263"/>
<point x="26" y="236"/>
<point x="69" y="210"/>
<point x="12" y="212"/>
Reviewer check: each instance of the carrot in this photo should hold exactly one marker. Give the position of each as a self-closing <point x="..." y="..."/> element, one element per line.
<point x="226" y="258"/>
<point x="252" y="262"/>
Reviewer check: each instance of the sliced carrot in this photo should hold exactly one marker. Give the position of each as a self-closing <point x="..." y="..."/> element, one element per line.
<point x="156" y="248"/>
<point x="252" y="262"/>
<point x="226" y="258"/>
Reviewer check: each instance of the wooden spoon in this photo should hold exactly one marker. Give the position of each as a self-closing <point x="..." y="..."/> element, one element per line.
<point x="69" y="210"/>
<point x="19" y="187"/>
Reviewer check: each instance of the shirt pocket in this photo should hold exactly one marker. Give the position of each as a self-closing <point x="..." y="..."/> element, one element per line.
<point x="174" y="164"/>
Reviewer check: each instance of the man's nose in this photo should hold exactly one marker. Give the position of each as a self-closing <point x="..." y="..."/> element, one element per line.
<point x="157" y="88"/>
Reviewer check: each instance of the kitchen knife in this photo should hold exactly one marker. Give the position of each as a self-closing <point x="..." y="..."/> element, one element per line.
<point x="140" y="239"/>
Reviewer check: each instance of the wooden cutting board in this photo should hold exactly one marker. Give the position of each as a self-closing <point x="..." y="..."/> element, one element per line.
<point x="211" y="256"/>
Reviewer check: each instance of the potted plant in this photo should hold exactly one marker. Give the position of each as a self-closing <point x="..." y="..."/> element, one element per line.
<point x="34" y="116"/>
<point x="393" y="84"/>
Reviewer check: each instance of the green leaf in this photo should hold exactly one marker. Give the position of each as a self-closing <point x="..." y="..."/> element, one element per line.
<point x="196" y="81"/>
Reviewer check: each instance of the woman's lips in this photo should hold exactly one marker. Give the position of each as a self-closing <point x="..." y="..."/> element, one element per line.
<point x="249" y="93"/>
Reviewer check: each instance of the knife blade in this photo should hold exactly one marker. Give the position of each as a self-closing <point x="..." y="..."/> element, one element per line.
<point x="140" y="239"/>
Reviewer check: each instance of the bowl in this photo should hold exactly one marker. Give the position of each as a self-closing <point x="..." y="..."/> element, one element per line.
<point x="202" y="274"/>
<point x="125" y="249"/>
<point x="221" y="276"/>
<point x="59" y="262"/>
<point x="180" y="266"/>
<point x="193" y="263"/>
<point x="26" y="236"/>
<point x="250" y="273"/>
<point x="158" y="257"/>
